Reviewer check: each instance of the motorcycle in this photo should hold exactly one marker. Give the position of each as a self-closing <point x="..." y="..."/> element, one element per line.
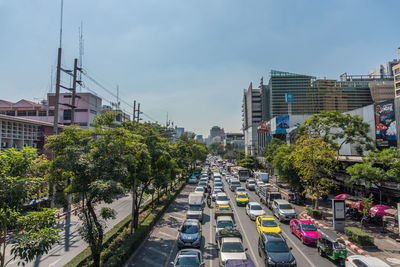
<point x="209" y="201"/>
<point x="368" y="219"/>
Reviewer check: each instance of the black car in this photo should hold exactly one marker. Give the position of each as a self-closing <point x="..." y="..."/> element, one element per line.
<point x="190" y="234"/>
<point x="273" y="248"/>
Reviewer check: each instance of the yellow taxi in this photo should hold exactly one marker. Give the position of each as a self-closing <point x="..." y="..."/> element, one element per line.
<point x="267" y="224"/>
<point x="242" y="199"/>
<point x="223" y="208"/>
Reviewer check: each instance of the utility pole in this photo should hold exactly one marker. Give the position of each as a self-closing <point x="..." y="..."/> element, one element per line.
<point x="134" y="110"/>
<point x="138" y="113"/>
<point x="74" y="91"/>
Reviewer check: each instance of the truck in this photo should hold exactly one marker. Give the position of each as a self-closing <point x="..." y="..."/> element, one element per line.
<point x="262" y="176"/>
<point x="230" y="246"/>
<point x="223" y="219"/>
<point x="243" y="174"/>
<point x="195" y="209"/>
<point x="267" y="195"/>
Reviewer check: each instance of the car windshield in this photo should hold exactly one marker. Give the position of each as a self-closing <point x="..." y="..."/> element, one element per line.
<point x="218" y="184"/>
<point x="223" y="224"/>
<point x="195" y="208"/>
<point x="255" y="207"/>
<point x="269" y="223"/>
<point x="199" y="189"/>
<point x="188" y="261"/>
<point x="232" y="247"/>
<point x="216" y="191"/>
<point x="223" y="208"/>
<point x="275" y="196"/>
<point x="251" y="182"/>
<point x="277" y="246"/>
<point x="309" y="227"/>
<point x="241" y="196"/>
<point x="222" y="198"/>
<point x="190" y="229"/>
<point x="235" y="183"/>
<point x="285" y="207"/>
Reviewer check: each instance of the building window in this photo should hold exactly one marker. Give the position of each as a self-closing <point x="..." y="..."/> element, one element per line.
<point x="31" y="112"/>
<point x="93" y="111"/>
<point x="397" y="70"/>
<point x="81" y="110"/>
<point x="67" y="96"/>
<point x="3" y="112"/>
<point x="23" y="112"/>
<point x="397" y="77"/>
<point x="51" y="112"/>
<point x="82" y="123"/>
<point x="397" y="92"/>
<point x="10" y="113"/>
<point x="67" y="115"/>
<point x="397" y="85"/>
<point x="42" y="113"/>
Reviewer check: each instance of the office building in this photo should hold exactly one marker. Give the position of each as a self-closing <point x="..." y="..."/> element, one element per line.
<point x="215" y="131"/>
<point x="251" y="117"/>
<point x="179" y="131"/>
<point x="396" y="76"/>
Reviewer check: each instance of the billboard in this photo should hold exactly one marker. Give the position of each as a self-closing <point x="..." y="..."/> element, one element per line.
<point x="282" y="122"/>
<point x="385" y="125"/>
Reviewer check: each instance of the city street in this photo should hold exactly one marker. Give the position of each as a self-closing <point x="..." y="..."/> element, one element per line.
<point x="154" y="253"/>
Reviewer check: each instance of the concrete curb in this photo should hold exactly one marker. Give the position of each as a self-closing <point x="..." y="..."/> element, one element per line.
<point x="352" y="246"/>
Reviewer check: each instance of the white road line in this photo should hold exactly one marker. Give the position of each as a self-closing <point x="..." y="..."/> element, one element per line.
<point x="54" y="263"/>
<point x="244" y="233"/>
<point x="287" y="237"/>
<point x="166" y="234"/>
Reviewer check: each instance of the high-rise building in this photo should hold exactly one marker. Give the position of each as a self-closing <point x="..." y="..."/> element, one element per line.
<point x="179" y="131"/>
<point x="383" y="70"/>
<point x="251" y="117"/>
<point x="215" y="131"/>
<point x="396" y="76"/>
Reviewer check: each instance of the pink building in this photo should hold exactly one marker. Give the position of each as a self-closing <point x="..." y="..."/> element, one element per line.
<point x="87" y="107"/>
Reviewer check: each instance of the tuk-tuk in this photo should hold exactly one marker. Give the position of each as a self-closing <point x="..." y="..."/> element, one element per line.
<point x="331" y="246"/>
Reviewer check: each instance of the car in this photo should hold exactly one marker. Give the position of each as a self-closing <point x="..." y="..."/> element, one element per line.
<point x="222" y="222"/>
<point x="251" y="184"/>
<point x="188" y="257"/>
<point x="305" y="230"/>
<point x="257" y="186"/>
<point x="203" y="180"/>
<point x="200" y="190"/>
<point x="223" y="208"/>
<point x="219" y="186"/>
<point x="235" y="183"/>
<point x="203" y="184"/>
<point x="231" y="248"/>
<point x="241" y="199"/>
<point x="364" y="261"/>
<point x="267" y="224"/>
<point x="214" y="193"/>
<point x="192" y="180"/>
<point x="240" y="190"/>
<point x="217" y="180"/>
<point x="239" y="263"/>
<point x="253" y="210"/>
<point x="283" y="210"/>
<point x="228" y="177"/>
<point x="190" y="234"/>
<point x="222" y="199"/>
<point x="273" y="249"/>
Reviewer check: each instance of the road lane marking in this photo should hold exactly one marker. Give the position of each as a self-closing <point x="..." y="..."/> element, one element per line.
<point x="241" y="226"/>
<point x="166" y="234"/>
<point x="54" y="263"/>
<point x="165" y="254"/>
<point x="287" y="237"/>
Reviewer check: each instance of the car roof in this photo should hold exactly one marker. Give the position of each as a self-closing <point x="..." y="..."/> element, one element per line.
<point x="273" y="236"/>
<point x="197" y="187"/>
<point x="191" y="221"/>
<point x="254" y="203"/>
<point x="304" y="221"/>
<point x="241" y="193"/>
<point x="221" y="194"/>
<point x="281" y="201"/>
<point x="224" y="218"/>
<point x="267" y="217"/>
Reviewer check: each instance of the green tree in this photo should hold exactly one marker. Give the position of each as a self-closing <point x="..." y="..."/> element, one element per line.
<point x="250" y="162"/>
<point x="337" y="129"/>
<point x="378" y="167"/>
<point x="271" y="149"/>
<point x="285" y="166"/>
<point x="92" y="162"/>
<point x="216" y="149"/>
<point x="20" y="182"/>
<point x="315" y="161"/>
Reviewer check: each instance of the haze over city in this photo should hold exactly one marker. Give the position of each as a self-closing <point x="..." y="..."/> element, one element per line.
<point x="188" y="58"/>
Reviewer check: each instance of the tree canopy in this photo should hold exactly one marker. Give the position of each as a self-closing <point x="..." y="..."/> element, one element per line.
<point x="337" y="129"/>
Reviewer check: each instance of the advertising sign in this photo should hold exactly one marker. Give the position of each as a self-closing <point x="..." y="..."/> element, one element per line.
<point x="385" y="125"/>
<point x="339" y="214"/>
<point x="289" y="97"/>
<point x="282" y="122"/>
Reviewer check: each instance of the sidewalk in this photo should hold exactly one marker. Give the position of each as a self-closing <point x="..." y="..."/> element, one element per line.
<point x="387" y="250"/>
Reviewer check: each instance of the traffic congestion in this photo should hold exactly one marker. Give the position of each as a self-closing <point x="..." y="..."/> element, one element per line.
<point x="234" y="219"/>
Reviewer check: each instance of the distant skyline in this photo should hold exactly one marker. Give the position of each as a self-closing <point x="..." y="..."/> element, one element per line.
<point x="191" y="58"/>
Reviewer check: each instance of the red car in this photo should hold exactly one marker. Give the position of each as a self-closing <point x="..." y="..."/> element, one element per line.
<point x="305" y="230"/>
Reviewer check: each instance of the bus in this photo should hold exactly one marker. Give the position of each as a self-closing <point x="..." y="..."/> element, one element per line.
<point x="243" y="174"/>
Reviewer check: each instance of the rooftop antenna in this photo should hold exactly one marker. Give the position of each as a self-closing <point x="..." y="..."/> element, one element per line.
<point x="81" y="47"/>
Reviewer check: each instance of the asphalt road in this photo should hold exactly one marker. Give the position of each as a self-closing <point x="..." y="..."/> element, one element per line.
<point x="306" y="256"/>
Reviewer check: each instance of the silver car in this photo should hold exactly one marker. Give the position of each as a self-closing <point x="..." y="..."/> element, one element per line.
<point x="253" y="210"/>
<point x="251" y="184"/>
<point x="283" y="210"/>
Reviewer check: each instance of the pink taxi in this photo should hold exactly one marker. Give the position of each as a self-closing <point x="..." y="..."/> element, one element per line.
<point x="305" y="230"/>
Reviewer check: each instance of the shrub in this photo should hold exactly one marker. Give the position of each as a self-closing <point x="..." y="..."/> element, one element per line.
<point x="359" y="236"/>
<point x="315" y="213"/>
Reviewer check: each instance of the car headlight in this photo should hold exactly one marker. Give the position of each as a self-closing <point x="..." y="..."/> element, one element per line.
<point x="270" y="261"/>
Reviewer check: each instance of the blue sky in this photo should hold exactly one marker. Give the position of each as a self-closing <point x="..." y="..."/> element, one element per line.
<point x="192" y="58"/>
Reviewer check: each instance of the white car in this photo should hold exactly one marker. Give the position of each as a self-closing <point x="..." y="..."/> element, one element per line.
<point x="364" y="261"/>
<point x="192" y="180"/>
<point x="200" y="190"/>
<point x="231" y="249"/>
<point x="258" y="185"/>
<point x="214" y="193"/>
<point x="240" y="190"/>
<point x="222" y="199"/>
<point x="253" y="210"/>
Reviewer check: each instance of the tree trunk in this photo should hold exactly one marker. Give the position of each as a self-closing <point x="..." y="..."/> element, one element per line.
<point x="97" y="245"/>
<point x="317" y="199"/>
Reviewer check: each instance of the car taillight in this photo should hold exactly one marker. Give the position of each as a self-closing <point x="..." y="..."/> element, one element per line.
<point x="347" y="259"/>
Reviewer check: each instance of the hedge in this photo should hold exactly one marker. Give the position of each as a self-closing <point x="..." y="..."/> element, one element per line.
<point x="315" y="213"/>
<point x="359" y="236"/>
<point x="118" y="243"/>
